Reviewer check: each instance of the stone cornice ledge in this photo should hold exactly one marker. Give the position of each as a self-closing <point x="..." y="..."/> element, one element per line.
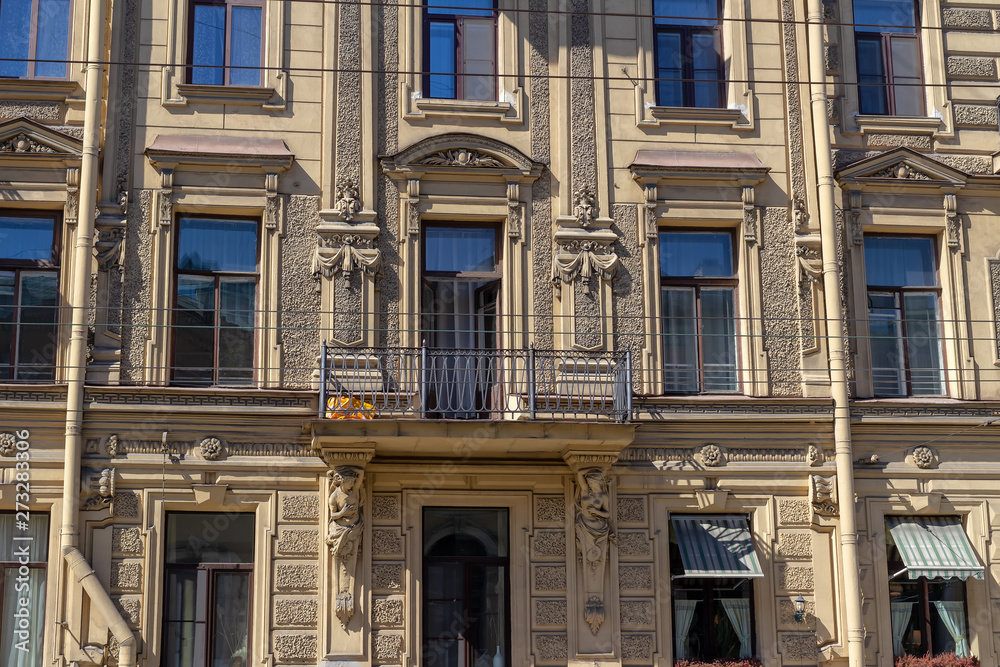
<point x="696" y="116"/>
<point x="898" y="124"/>
<point x="38" y="89"/>
<point x="249" y="95"/>
<point x="470" y="440"/>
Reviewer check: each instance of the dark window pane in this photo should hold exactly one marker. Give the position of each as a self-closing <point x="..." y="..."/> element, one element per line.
<point x="207" y="537"/>
<point x="705" y="61"/>
<point x="52" y="40"/>
<point x="461" y="7"/>
<point x="15" y="26"/>
<point x="457" y="249"/>
<point x="886" y="338"/>
<point x="26" y="239"/>
<point x="231" y="622"/>
<point x="217" y="245"/>
<point x="872" y="94"/>
<point x="923" y="347"/>
<point x="686" y="12"/>
<point x="208" y="45"/>
<point x="669" y="72"/>
<point x="465" y="532"/>
<point x="7" y="322"/>
<point x="896" y="261"/>
<point x="442" y="52"/>
<point x="907" y="90"/>
<point x="36" y="336"/>
<point x="885" y="16"/>
<point x="478" y="54"/>
<point x="194" y="333"/>
<point x="680" y="340"/>
<point x="245" y="47"/>
<point x="236" y="329"/>
<point x="696" y="254"/>
<point x="718" y="339"/>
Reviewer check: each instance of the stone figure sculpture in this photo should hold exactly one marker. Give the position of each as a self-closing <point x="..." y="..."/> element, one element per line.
<point x="593" y="532"/>
<point x="344" y="535"/>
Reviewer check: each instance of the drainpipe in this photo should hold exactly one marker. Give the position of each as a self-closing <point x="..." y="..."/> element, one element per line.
<point x="76" y="370"/>
<point x="835" y="338"/>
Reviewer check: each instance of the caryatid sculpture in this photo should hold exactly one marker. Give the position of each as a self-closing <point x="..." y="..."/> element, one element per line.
<point x="593" y="533"/>
<point x="344" y="535"/>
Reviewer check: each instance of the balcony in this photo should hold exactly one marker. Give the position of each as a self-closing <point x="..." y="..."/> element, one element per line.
<point x="465" y="384"/>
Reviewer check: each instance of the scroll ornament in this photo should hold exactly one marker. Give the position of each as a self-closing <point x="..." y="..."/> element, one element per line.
<point x="344" y="533"/>
<point x="345" y="253"/>
<point x="593" y="533"/>
<point x="590" y="258"/>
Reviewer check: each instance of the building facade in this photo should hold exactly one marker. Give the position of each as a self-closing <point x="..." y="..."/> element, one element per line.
<point x="498" y="333"/>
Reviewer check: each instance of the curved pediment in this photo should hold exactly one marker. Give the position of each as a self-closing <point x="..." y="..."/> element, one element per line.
<point x="24" y="138"/>
<point x="461" y="153"/>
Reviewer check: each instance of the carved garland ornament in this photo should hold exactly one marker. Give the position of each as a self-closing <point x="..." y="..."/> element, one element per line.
<point x="593" y="533"/>
<point x="902" y="171"/>
<point x="344" y="534"/>
<point x="22" y="143"/>
<point x="589" y="258"/>
<point x="345" y="253"/>
<point x="461" y="157"/>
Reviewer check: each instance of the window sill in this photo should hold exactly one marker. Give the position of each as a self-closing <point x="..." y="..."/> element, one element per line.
<point x="696" y="116"/>
<point x="57" y="90"/>
<point x="505" y="112"/>
<point x="246" y="95"/>
<point x="897" y="124"/>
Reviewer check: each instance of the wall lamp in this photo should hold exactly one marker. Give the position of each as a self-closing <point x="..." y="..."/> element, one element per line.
<point x="800" y="609"/>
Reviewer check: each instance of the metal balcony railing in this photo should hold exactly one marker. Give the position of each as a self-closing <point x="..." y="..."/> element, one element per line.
<point x="433" y="383"/>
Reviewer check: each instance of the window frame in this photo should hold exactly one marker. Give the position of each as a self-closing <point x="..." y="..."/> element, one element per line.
<point x="687" y="33"/>
<point x="458" y="20"/>
<point x="885" y="38"/>
<point x="464" y="561"/>
<point x="51" y="265"/>
<point x="900" y="291"/>
<point x="227" y="51"/>
<point x="217" y="275"/>
<point x="33" y="45"/>
<point x="34" y="565"/>
<point x="697" y="284"/>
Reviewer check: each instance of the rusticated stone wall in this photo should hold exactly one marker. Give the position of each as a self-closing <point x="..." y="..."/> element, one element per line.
<point x="637" y="578"/>
<point x="294" y="610"/>
<point x="388" y="617"/>
<point x="548" y="580"/>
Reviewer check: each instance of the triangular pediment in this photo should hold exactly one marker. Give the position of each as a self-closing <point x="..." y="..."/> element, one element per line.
<point x="461" y="152"/>
<point x="22" y="137"/>
<point x="902" y="166"/>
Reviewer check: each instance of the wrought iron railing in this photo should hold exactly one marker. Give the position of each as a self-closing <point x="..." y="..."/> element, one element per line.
<point x="433" y="383"/>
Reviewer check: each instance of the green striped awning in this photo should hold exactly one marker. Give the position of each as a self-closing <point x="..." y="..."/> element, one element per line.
<point x="718" y="546"/>
<point x="934" y="547"/>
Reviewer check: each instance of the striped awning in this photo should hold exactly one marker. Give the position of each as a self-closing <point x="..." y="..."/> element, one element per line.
<point x="718" y="546"/>
<point x="934" y="547"/>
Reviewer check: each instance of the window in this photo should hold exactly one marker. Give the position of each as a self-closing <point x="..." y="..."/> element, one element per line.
<point x="928" y="560"/>
<point x="29" y="294"/>
<point x="14" y="587"/>
<point x="712" y="567"/>
<point x="903" y="315"/>
<point x="888" y="55"/>
<point x="209" y="564"/>
<point x="460" y="49"/>
<point x="215" y="301"/>
<point x="35" y="40"/>
<point x="461" y="289"/>
<point x="225" y="43"/>
<point x="698" y="291"/>
<point x="466" y="587"/>
<point x="688" y="53"/>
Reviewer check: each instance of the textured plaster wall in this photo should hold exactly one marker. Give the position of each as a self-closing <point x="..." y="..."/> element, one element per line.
<point x="387" y="57"/>
<point x="137" y="268"/>
<point x="299" y="319"/>
<point x="629" y="325"/>
<point x="539" y="27"/>
<point x="779" y="291"/>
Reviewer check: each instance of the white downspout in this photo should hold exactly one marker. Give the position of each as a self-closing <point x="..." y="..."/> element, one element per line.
<point x="76" y="370"/>
<point x="835" y="338"/>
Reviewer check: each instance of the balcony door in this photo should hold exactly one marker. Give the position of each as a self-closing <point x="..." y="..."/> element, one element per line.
<point x="461" y="288"/>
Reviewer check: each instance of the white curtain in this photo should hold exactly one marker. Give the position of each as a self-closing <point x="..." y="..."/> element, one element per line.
<point x="953" y="616"/>
<point x="38" y="531"/>
<point x="683" y="616"/>
<point x="900" y="613"/>
<point x="738" y="611"/>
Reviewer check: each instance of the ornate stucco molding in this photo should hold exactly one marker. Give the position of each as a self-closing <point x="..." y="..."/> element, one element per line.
<point x="345" y="253"/>
<point x="347" y="202"/>
<point x="823" y="495"/>
<point x="585" y="208"/>
<point x="345" y="530"/>
<point x="98" y="489"/>
<point x="584" y="260"/>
